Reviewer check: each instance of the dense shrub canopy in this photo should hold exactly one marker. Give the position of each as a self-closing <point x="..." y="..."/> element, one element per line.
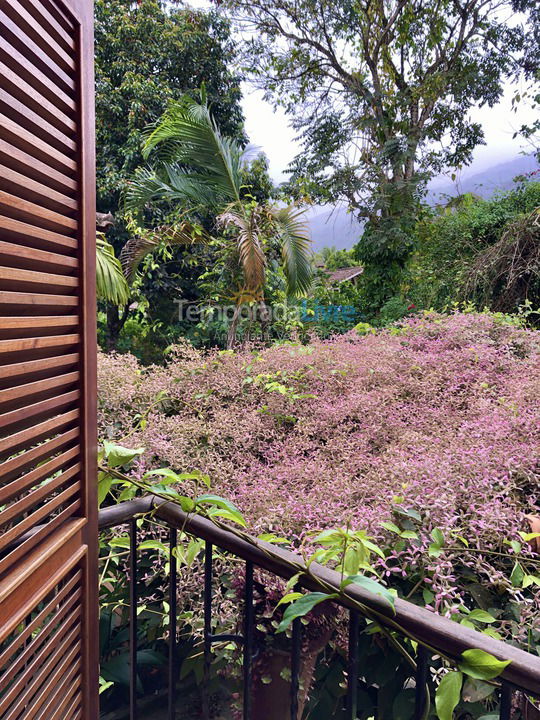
<point x="442" y="411"/>
<point x="449" y="243"/>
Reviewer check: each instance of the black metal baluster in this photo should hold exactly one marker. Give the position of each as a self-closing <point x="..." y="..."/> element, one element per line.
<point x="295" y="666"/>
<point x="248" y="639"/>
<point x="173" y="540"/>
<point x="133" y="620"/>
<point x="505" y="710"/>
<point x="422" y="670"/>
<point x="207" y="627"/>
<point x="352" y="666"/>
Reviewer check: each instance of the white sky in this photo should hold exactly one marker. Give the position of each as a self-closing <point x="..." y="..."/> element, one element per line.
<point x="269" y="129"/>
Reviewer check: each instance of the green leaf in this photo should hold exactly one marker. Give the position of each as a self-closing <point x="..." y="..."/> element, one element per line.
<point x="117" y="455"/>
<point x="448" y="694"/>
<point x="481" y="665"/>
<point x="232" y="515"/>
<point x="289" y="598"/>
<point x="391" y="526"/>
<point x="527" y="537"/>
<point x="530" y="580"/>
<point x="517" y="575"/>
<point x="372" y="586"/>
<point x="104" y="485"/>
<point x="481" y="616"/>
<point x="302" y="607"/>
<point x="119" y="542"/>
<point x="476" y="690"/>
<point x="273" y="539"/>
<point x="437" y="536"/>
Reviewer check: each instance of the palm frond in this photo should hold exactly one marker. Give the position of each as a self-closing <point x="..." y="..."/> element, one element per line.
<point x="137" y="248"/>
<point x="248" y="242"/>
<point x="111" y="284"/>
<point x="297" y="254"/>
<point x="187" y="136"/>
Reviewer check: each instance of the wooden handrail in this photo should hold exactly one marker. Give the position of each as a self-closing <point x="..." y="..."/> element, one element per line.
<point x="436" y="632"/>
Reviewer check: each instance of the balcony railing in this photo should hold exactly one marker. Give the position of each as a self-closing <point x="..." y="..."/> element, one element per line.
<point x="432" y="632"/>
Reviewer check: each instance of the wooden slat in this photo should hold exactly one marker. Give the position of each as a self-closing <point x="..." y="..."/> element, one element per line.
<point x="36" y="124"/>
<point x="18" y="392"/>
<point x="30" y="73"/>
<point x="36" y="535"/>
<point x="44" y="632"/>
<point x="24" y="186"/>
<point x="11" y="468"/>
<point x="26" y="344"/>
<point x="37" y="475"/>
<point x="22" y="691"/>
<point x="41" y="617"/>
<point x="44" y="365"/>
<point x="40" y="35"/>
<point x="38" y="301"/>
<point x="67" y="692"/>
<point x="34" y="145"/>
<point x="39" y="573"/>
<point x="17" y="255"/>
<point x="39" y="322"/>
<point x="35" y="101"/>
<point x="17" y="278"/>
<point x="70" y="698"/>
<point x="10" y="536"/>
<point x="53" y="688"/>
<point x="30" y="412"/>
<point x="47" y="20"/>
<point x="33" y="498"/>
<point x="30" y="212"/>
<point x="52" y="671"/>
<point x="36" y="433"/>
<point x="46" y="239"/>
<point x="24" y="163"/>
<point x="62" y="15"/>
<point x="42" y="59"/>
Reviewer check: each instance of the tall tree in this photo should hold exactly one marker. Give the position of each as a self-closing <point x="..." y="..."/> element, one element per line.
<point x="149" y="53"/>
<point x="194" y="165"/>
<point x="380" y="92"/>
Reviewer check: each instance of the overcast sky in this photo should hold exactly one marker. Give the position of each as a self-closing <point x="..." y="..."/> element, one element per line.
<point x="269" y="129"/>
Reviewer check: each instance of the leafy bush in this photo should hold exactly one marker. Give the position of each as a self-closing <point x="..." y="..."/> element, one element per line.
<point x="450" y="242"/>
<point x="441" y="412"/>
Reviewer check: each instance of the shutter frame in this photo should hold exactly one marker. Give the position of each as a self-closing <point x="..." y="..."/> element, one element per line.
<point x="48" y="330"/>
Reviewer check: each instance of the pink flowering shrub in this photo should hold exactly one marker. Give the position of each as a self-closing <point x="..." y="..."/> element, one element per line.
<point x="440" y="416"/>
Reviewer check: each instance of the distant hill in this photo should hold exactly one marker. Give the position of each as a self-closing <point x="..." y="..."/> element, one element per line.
<point x="334" y="226"/>
<point x="485" y="183"/>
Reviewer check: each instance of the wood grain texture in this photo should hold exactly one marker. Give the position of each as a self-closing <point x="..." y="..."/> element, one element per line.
<point x="48" y="393"/>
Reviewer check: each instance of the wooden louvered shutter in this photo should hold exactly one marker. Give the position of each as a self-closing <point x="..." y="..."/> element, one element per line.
<point x="48" y="526"/>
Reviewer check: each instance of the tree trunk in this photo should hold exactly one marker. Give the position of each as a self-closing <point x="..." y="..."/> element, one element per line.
<point x="115" y="323"/>
<point x="233" y="327"/>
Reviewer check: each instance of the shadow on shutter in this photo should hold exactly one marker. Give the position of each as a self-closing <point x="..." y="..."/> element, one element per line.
<point x="48" y="527"/>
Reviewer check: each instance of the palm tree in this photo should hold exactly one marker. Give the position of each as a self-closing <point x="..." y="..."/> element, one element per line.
<point x="194" y="164"/>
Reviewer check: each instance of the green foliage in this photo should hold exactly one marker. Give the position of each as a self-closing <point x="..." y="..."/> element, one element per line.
<point x="451" y="240"/>
<point x="381" y="96"/>
<point x="335" y="259"/>
<point x="196" y="167"/>
<point x="111" y="284"/>
<point x="448" y="695"/>
<point x="148" y="54"/>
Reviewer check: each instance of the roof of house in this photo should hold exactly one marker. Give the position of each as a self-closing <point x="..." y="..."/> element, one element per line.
<point x="344" y="274"/>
